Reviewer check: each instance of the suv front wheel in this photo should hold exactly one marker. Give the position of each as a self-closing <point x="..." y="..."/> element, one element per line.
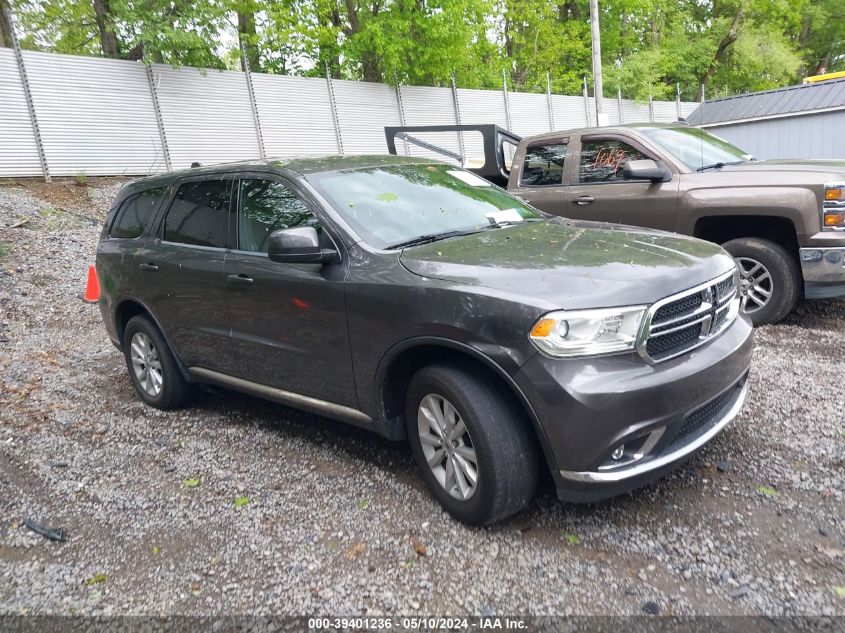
<point x="471" y="444"/>
<point x="770" y="280"/>
<point x="151" y="365"/>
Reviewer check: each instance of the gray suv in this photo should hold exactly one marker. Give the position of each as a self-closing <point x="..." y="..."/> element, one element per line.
<point x="417" y="300"/>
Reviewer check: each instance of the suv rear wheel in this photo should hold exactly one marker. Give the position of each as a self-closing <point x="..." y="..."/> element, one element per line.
<point x="471" y="444"/>
<point x="770" y="280"/>
<point x="151" y="365"/>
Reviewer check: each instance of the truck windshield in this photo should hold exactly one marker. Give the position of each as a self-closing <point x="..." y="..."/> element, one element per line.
<point x="399" y="205"/>
<point x="696" y="148"/>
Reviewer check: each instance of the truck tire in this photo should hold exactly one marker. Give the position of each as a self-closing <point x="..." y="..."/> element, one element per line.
<point x="471" y="443"/>
<point x="152" y="367"/>
<point x="770" y="279"/>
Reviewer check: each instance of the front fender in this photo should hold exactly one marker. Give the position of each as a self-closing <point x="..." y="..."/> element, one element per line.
<point x="799" y="205"/>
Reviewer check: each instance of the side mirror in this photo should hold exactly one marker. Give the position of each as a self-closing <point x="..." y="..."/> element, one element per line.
<point x="647" y="169"/>
<point x="299" y="245"/>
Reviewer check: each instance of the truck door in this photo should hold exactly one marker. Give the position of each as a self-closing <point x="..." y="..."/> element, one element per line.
<point x="599" y="192"/>
<point x="539" y="177"/>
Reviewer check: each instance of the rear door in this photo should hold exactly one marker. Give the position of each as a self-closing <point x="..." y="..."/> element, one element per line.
<point x="288" y="320"/>
<point x="183" y="268"/>
<point x="599" y="192"/>
<point x="123" y="238"/>
<point x="540" y="176"/>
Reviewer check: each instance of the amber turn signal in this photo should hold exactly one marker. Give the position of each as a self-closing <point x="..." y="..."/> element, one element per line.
<point x="834" y="193"/>
<point x="834" y="218"/>
<point x="543" y="328"/>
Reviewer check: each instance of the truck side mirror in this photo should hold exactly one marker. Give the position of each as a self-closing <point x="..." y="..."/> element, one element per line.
<point x="646" y="169"/>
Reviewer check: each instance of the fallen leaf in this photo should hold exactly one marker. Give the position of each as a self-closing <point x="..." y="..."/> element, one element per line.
<point x="387" y="196"/>
<point x="767" y="491"/>
<point x="356" y="550"/>
<point x="196" y="589"/>
<point x="191" y="482"/>
<point x="240" y="502"/>
<point x="839" y="591"/>
<point x="418" y="546"/>
<point x="571" y="539"/>
<point x="96" y="579"/>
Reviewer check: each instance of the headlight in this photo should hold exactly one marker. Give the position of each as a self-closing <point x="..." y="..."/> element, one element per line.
<point x="588" y="332"/>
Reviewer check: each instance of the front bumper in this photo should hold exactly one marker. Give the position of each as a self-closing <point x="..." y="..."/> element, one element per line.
<point x="824" y="272"/>
<point x="661" y="413"/>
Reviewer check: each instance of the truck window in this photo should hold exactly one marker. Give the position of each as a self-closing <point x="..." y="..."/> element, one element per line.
<point x="543" y="165"/>
<point x="199" y="214"/>
<point x="266" y="206"/>
<point x="601" y="160"/>
<point x="136" y="212"/>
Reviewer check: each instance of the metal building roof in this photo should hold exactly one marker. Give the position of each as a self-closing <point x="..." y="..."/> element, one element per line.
<point x="769" y="103"/>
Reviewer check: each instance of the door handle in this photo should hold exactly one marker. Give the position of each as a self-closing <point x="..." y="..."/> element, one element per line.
<point x="149" y="267"/>
<point x="240" y="279"/>
<point x="582" y="200"/>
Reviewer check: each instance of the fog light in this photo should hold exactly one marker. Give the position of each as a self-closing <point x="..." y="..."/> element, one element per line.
<point x="617" y="454"/>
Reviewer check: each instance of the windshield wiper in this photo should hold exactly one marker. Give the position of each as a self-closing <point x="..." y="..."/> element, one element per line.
<point x="719" y="165"/>
<point x="426" y="239"/>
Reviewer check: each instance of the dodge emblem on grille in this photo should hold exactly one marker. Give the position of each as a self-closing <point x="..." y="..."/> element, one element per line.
<point x="708" y="304"/>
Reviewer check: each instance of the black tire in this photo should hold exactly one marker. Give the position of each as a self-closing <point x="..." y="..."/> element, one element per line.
<point x="174" y="391"/>
<point x="785" y="275"/>
<point x="506" y="451"/>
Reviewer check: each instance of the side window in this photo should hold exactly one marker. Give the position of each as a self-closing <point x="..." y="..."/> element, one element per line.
<point x="266" y="206"/>
<point x="199" y="214"/>
<point x="601" y="160"/>
<point x="543" y="165"/>
<point x="136" y="212"/>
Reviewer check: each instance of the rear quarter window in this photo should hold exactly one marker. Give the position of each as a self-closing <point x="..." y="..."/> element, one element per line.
<point x="135" y="213"/>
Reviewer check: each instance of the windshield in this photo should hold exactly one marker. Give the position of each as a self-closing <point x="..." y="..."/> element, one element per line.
<point x="696" y="148"/>
<point x="389" y="206"/>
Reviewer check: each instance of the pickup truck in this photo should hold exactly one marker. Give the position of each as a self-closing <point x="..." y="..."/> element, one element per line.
<point x="783" y="221"/>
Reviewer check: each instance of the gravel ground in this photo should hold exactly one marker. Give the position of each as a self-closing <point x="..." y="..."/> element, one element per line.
<point x="334" y="520"/>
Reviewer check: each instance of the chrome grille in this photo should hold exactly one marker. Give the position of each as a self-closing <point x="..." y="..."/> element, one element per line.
<point x="684" y="321"/>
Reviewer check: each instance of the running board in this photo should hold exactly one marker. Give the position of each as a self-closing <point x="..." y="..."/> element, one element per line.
<point x="295" y="400"/>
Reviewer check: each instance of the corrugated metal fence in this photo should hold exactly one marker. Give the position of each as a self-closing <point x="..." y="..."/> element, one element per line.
<point x="107" y="117"/>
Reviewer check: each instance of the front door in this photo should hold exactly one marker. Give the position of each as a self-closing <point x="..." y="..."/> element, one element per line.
<point x="599" y="192"/>
<point x="288" y="320"/>
<point x="183" y="267"/>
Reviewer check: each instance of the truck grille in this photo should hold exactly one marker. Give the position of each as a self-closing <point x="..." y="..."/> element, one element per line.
<point x="684" y="321"/>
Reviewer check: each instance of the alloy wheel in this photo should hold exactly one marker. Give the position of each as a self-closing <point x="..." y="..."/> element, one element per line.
<point x="447" y="446"/>
<point x="146" y="364"/>
<point x="755" y="285"/>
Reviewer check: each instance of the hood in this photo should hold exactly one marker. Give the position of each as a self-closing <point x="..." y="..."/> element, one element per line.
<point x="559" y="263"/>
<point x="823" y="166"/>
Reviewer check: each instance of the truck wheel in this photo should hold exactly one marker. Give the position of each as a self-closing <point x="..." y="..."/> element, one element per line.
<point x="770" y="280"/>
<point x="152" y="367"/>
<point x="471" y="444"/>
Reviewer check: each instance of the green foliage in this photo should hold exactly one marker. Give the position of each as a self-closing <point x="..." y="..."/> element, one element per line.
<point x="191" y="482"/>
<point x="649" y="47"/>
<point x="767" y="491"/>
<point x="96" y="579"/>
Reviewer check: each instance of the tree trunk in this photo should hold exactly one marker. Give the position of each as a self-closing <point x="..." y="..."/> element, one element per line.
<point x="803" y="39"/>
<point x="724" y="45"/>
<point x="108" y="38"/>
<point x="370" y="66"/>
<point x="247" y="40"/>
<point x="5" y="24"/>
